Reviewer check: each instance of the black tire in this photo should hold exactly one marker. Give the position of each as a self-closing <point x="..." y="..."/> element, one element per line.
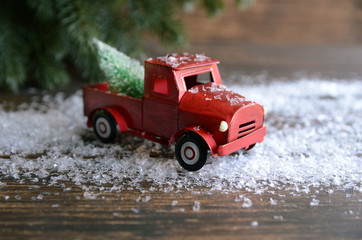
<point x="191" y="152"/>
<point x="104" y="126"/>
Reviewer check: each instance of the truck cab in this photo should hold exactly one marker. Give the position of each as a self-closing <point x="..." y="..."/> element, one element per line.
<point x="167" y="79"/>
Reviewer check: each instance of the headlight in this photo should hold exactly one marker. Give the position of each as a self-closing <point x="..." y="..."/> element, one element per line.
<point x="223" y="126"/>
<point x="265" y="110"/>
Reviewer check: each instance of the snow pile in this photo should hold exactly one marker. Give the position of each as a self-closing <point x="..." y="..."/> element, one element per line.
<point x="174" y="60"/>
<point x="220" y="94"/>
<point x="313" y="140"/>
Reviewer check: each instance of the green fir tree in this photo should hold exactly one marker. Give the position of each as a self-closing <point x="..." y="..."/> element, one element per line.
<point x="41" y="40"/>
<point x="124" y="75"/>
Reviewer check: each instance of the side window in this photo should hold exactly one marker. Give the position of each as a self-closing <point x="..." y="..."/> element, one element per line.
<point x="198" y="79"/>
<point x="160" y="85"/>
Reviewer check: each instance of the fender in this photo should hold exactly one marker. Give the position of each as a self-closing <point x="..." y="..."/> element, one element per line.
<point x="208" y="138"/>
<point x="121" y="122"/>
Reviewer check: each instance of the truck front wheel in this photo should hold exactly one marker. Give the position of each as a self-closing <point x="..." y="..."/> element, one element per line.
<point x="191" y="152"/>
<point x="104" y="126"/>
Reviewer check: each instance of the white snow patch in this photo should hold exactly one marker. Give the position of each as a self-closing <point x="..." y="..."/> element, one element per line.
<point x="194" y="90"/>
<point x="135" y="210"/>
<point x="314" y="202"/>
<point x="273" y="202"/>
<point x="196" y="206"/>
<point x="254" y="223"/>
<point x="146" y="199"/>
<point x="40" y="197"/>
<point x="278" y="217"/>
<point x="175" y="60"/>
<point x="247" y="203"/>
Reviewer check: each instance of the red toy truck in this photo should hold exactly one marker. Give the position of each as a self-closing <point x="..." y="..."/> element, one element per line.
<point x="185" y="103"/>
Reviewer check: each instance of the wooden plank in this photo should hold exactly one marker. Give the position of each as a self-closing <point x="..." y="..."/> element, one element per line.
<point x="45" y="212"/>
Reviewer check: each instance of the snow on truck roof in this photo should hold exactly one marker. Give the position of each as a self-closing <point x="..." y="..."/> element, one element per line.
<point x="183" y="61"/>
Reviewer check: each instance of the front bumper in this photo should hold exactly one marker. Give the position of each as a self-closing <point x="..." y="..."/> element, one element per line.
<point x="244" y="142"/>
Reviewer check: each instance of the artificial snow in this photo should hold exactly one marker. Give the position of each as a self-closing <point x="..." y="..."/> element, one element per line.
<point x="174" y="60"/>
<point x="18" y="197"/>
<point x="196" y="206"/>
<point x="254" y="223"/>
<point x="135" y="210"/>
<point x="247" y="203"/>
<point x="273" y="202"/>
<point x="314" y="202"/>
<point x="314" y="141"/>
<point x="174" y="203"/>
<point x="278" y="217"/>
<point x="145" y="199"/>
<point x="216" y="92"/>
<point x="40" y="197"/>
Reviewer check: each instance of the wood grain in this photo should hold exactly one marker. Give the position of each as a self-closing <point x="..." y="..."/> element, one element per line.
<point x="45" y="212"/>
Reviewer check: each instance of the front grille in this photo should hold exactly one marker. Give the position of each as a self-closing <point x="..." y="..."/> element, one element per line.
<point x="246" y="128"/>
<point x="245" y="121"/>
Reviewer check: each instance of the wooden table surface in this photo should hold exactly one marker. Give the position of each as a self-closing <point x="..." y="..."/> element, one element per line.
<point x="43" y="212"/>
<point x="35" y="210"/>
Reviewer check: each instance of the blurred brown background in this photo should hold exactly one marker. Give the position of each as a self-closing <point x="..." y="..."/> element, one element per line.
<point x="282" y="37"/>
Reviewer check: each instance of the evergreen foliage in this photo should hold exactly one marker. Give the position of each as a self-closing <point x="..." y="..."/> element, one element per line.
<point x="123" y="74"/>
<point x="41" y="39"/>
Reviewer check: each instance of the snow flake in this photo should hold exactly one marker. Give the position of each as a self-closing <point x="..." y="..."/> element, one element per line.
<point x="254" y="223"/>
<point x="314" y="202"/>
<point x="196" y="206"/>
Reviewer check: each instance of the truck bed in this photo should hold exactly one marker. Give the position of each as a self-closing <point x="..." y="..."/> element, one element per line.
<point x="98" y="96"/>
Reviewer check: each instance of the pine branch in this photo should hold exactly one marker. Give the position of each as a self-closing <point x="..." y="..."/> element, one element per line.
<point x="38" y="36"/>
<point x="213" y="7"/>
<point x="78" y="27"/>
<point x="12" y="50"/>
<point x="44" y="9"/>
<point x="50" y="72"/>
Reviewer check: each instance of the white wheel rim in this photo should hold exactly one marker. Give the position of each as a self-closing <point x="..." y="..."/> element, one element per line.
<point x="103" y="127"/>
<point x="190" y="153"/>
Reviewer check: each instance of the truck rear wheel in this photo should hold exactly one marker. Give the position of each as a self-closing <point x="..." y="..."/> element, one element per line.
<point x="104" y="126"/>
<point x="191" y="152"/>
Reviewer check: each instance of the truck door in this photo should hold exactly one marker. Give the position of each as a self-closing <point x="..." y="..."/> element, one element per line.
<point x="160" y="106"/>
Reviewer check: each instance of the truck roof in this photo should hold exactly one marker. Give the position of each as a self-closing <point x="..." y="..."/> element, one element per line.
<point x="183" y="61"/>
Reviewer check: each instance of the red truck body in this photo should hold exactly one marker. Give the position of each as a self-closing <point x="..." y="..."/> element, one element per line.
<point x="183" y="95"/>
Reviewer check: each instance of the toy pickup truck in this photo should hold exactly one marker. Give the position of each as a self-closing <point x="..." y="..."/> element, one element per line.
<point x="185" y="103"/>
